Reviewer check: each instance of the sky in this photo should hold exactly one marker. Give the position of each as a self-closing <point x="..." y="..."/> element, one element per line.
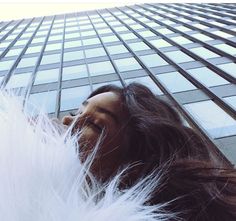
<point x="18" y="9"/>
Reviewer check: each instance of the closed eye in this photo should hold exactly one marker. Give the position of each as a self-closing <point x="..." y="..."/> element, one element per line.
<point x="97" y="127"/>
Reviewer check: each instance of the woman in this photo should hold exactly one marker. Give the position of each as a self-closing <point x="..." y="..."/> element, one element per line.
<point x="134" y="127"/>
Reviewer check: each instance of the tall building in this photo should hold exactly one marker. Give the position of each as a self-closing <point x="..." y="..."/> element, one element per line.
<point x="185" y="53"/>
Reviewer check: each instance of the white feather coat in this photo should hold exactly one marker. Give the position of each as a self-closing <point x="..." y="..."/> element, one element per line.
<point x="42" y="179"/>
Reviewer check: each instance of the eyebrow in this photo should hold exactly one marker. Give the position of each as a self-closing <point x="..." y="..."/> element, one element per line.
<point x="105" y="111"/>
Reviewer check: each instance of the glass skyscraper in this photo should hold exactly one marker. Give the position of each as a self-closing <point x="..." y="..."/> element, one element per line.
<point x="185" y="53"/>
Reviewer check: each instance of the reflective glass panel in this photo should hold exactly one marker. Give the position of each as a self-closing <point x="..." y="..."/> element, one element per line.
<point x="100" y="68"/>
<point x="204" y="53"/>
<point x="207" y="77"/>
<point x="95" y="52"/>
<point x="128" y="36"/>
<point x="74" y="72"/>
<point x="50" y="59"/>
<point x="226" y="48"/>
<point x="33" y="49"/>
<point x="160" y="43"/>
<point x="71" y="98"/>
<point x="46" y="76"/>
<point x="72" y="44"/>
<point x="212" y="118"/>
<point x="14" y="52"/>
<point x="229" y="68"/>
<point x="27" y="62"/>
<point x="117" y="49"/>
<point x="175" y="82"/>
<point x="153" y="60"/>
<point x="127" y="64"/>
<point x="108" y="39"/>
<point x="202" y="37"/>
<point x="178" y="56"/>
<point x="181" y="40"/>
<point x="138" y="46"/>
<point x="19" y="80"/>
<point x="73" y="55"/>
<point x="51" y="47"/>
<point x="231" y="101"/>
<point x="91" y="41"/>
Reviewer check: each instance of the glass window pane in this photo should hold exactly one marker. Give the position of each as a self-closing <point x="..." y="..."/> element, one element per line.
<point x="74" y="72"/>
<point x="73" y="55"/>
<point x="108" y="39"/>
<point x="181" y="40"/>
<point x="100" y="68"/>
<point x="153" y="60"/>
<point x="138" y="46"/>
<point x="14" y="52"/>
<point x="46" y="76"/>
<point x="6" y="65"/>
<point x="178" y="56"/>
<point x="51" y="47"/>
<point x="165" y="31"/>
<point x="204" y="53"/>
<point x="222" y="34"/>
<point x="71" y="98"/>
<point x="207" y="77"/>
<point x="117" y="49"/>
<point x="44" y="100"/>
<point x="33" y="49"/>
<point x="95" y="52"/>
<point x="231" y="101"/>
<point x="229" y="68"/>
<point x="50" y="59"/>
<point x="160" y="43"/>
<point x="127" y="64"/>
<point x="91" y="41"/>
<point x="175" y="82"/>
<point x="226" y="48"/>
<point x="19" y="80"/>
<point x="72" y="44"/>
<point x="205" y="113"/>
<point x="27" y="62"/>
<point x="148" y="82"/>
<point x="146" y="34"/>
<point x="202" y="37"/>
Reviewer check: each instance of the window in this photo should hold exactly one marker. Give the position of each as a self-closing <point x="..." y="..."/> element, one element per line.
<point x="33" y="49"/>
<point x="44" y="100"/>
<point x="202" y="37"/>
<point x="6" y="65"/>
<point x="19" y="80"/>
<point x="72" y="44"/>
<point x="117" y="83"/>
<point x="27" y="62"/>
<point x="153" y="60"/>
<point x="207" y="77"/>
<point x="127" y="64"/>
<point x="226" y="48"/>
<point x="165" y="31"/>
<point x="50" y="59"/>
<point x="148" y="82"/>
<point x="204" y="53"/>
<point x="91" y="41"/>
<point x="104" y="31"/>
<point x="198" y="25"/>
<point x="46" y="76"/>
<point x="138" y="46"/>
<point x="183" y="28"/>
<point x="95" y="52"/>
<point x="231" y="101"/>
<point x="178" y="56"/>
<point x="108" y="39"/>
<point x="100" y="68"/>
<point x="160" y="43"/>
<point x="146" y="34"/>
<point x="205" y="113"/>
<point x="120" y="29"/>
<point x="14" y="52"/>
<point x="38" y="40"/>
<point x="222" y="34"/>
<point x="51" y="47"/>
<point x="229" y="68"/>
<point x="88" y="33"/>
<point x="71" y="98"/>
<point x="73" y="55"/>
<point x="72" y="35"/>
<point x="74" y="72"/>
<point x="181" y="40"/>
<point x="128" y="36"/>
<point x="117" y="49"/>
<point x="175" y="82"/>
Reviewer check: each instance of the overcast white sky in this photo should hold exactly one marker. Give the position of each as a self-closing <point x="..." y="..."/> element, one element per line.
<point x="18" y="9"/>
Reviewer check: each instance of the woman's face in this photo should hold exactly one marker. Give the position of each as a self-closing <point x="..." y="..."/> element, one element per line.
<point x="101" y="116"/>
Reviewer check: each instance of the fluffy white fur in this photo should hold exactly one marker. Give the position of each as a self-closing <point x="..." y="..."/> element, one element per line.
<point x="42" y="179"/>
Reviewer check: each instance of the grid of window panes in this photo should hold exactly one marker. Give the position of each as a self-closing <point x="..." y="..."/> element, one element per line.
<point x="185" y="53"/>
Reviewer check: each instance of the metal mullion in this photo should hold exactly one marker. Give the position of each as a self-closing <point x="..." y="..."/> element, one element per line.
<point x="9" y="73"/>
<point x="201" y="15"/>
<point x="185" y="74"/>
<point x="196" y="6"/>
<point x="82" y="46"/>
<point x="228" y="5"/>
<point x="107" y="52"/>
<point x="58" y="98"/>
<point x="219" y="71"/>
<point x="174" y="101"/>
<point x="15" y="40"/>
<point x="5" y="26"/>
<point x="216" y="50"/>
<point x="29" y="88"/>
<point x="11" y="30"/>
<point x="203" y="31"/>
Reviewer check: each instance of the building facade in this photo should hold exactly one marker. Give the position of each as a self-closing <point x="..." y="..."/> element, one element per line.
<point x="185" y="53"/>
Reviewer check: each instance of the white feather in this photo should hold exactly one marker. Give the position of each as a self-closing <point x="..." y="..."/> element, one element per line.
<point x="42" y="179"/>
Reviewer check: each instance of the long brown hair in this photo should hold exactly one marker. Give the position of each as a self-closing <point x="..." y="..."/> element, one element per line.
<point x="156" y="138"/>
